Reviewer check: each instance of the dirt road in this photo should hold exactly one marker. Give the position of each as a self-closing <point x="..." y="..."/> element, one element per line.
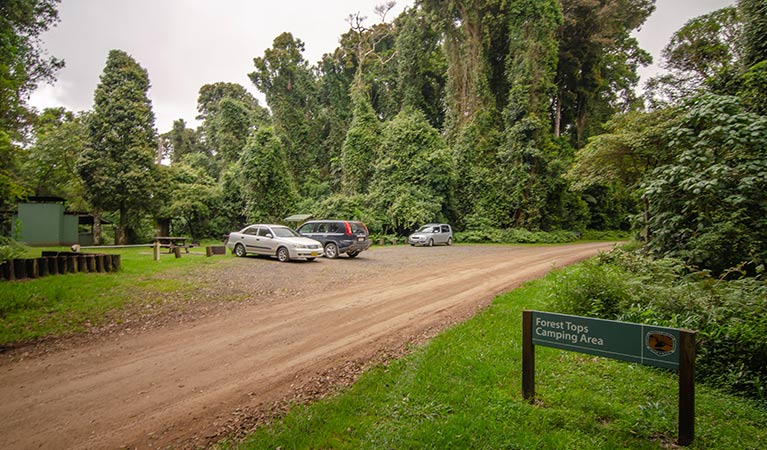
<point x="302" y="330"/>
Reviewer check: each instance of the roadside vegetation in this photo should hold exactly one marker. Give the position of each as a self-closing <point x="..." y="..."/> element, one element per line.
<point x="73" y="303"/>
<point x="463" y="390"/>
<point x="728" y="315"/>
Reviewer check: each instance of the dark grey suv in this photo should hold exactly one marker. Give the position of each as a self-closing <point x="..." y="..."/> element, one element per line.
<point x="338" y="236"/>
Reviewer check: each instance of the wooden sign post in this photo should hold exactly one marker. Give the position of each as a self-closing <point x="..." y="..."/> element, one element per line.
<point x="669" y="348"/>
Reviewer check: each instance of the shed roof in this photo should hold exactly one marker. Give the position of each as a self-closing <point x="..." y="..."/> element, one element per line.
<point x="298" y="218"/>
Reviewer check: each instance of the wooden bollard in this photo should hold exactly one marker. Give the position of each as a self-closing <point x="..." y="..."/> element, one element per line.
<point x="53" y="265"/>
<point x="9" y="272"/>
<point x="42" y="267"/>
<point x="71" y="264"/>
<point x="177" y="252"/>
<point x="208" y="251"/>
<point x="107" y="263"/>
<point x="31" y="268"/>
<point x="20" y="268"/>
<point x="61" y="261"/>
<point x="91" y="263"/>
<point x="116" y="263"/>
<point x="99" y="262"/>
<point x="82" y="263"/>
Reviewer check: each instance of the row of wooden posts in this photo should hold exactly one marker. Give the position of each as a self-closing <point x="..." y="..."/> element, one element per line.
<point x="58" y="263"/>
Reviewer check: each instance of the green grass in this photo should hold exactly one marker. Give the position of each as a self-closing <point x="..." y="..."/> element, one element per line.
<point x="463" y="390"/>
<point x="63" y="304"/>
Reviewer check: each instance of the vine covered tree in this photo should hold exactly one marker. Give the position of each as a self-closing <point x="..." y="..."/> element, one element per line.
<point x="266" y="183"/>
<point x="287" y="81"/>
<point x="414" y="177"/>
<point x="118" y="164"/>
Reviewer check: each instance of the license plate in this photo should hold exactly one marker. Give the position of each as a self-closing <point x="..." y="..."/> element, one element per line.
<point x="360" y="239"/>
<point x="315" y="254"/>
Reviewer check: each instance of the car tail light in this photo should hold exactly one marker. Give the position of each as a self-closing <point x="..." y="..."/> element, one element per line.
<point x="348" y="228"/>
<point x="367" y="233"/>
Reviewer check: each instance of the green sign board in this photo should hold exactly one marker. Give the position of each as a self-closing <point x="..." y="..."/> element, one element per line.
<point x="644" y="344"/>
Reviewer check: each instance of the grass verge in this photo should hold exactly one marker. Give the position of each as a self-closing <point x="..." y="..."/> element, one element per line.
<point x="463" y="390"/>
<point x="62" y="304"/>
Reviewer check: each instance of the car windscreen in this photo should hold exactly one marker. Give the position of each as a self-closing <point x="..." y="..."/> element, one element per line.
<point x="358" y="228"/>
<point x="426" y="229"/>
<point x="284" y="232"/>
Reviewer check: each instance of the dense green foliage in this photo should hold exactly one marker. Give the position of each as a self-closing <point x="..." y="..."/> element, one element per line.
<point x="23" y="64"/>
<point x="708" y="206"/>
<point x="727" y="315"/>
<point x="267" y="184"/>
<point x="413" y="182"/>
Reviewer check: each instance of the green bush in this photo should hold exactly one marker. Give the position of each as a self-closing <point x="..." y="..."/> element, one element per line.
<point x="730" y="317"/>
<point x="9" y="249"/>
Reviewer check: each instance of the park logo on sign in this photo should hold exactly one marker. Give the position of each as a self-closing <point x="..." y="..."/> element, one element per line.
<point x="661" y="343"/>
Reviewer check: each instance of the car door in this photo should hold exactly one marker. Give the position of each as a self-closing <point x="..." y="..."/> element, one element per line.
<point x="437" y="235"/>
<point x="248" y="237"/>
<point x="267" y="241"/>
<point x="445" y="233"/>
<point x="307" y="230"/>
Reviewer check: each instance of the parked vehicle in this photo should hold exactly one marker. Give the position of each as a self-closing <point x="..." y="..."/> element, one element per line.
<point x="338" y="236"/>
<point x="432" y="234"/>
<point x="273" y="240"/>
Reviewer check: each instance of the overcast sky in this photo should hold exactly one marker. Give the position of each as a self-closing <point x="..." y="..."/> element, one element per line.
<point x="185" y="44"/>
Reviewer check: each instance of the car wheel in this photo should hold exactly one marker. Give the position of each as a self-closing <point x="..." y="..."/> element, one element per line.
<point x="431" y="242"/>
<point x="239" y="250"/>
<point x="353" y="254"/>
<point x="331" y="250"/>
<point x="449" y="241"/>
<point x="283" y="255"/>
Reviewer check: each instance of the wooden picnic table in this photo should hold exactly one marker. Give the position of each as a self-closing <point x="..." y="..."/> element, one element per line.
<point x="171" y="242"/>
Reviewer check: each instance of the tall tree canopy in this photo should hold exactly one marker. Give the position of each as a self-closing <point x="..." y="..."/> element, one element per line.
<point x="706" y="53"/>
<point x="287" y="81"/>
<point x="118" y="164"/>
<point x="23" y="63"/>
<point x="49" y="168"/>
<point x="229" y="114"/>
<point x="597" y="63"/>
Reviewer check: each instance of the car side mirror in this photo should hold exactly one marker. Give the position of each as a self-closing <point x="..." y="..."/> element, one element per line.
<point x="269" y="235"/>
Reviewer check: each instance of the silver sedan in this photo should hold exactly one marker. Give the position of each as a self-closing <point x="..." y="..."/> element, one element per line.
<point x="273" y="240"/>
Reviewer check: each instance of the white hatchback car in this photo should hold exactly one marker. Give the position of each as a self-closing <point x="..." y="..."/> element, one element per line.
<point x="432" y="234"/>
<point x="273" y="240"/>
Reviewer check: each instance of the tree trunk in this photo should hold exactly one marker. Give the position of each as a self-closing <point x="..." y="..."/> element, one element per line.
<point x="121" y="228"/>
<point x="645" y="234"/>
<point x="96" y="226"/>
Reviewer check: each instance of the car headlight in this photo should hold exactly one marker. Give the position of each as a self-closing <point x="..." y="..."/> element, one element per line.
<point x="300" y="246"/>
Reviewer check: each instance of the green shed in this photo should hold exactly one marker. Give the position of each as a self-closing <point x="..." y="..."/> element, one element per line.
<point x="43" y="221"/>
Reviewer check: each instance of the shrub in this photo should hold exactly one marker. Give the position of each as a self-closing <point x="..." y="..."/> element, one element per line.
<point x="9" y="249"/>
<point x="730" y="317"/>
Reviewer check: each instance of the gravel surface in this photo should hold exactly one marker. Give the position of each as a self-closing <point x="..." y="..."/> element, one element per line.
<point x="218" y="361"/>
